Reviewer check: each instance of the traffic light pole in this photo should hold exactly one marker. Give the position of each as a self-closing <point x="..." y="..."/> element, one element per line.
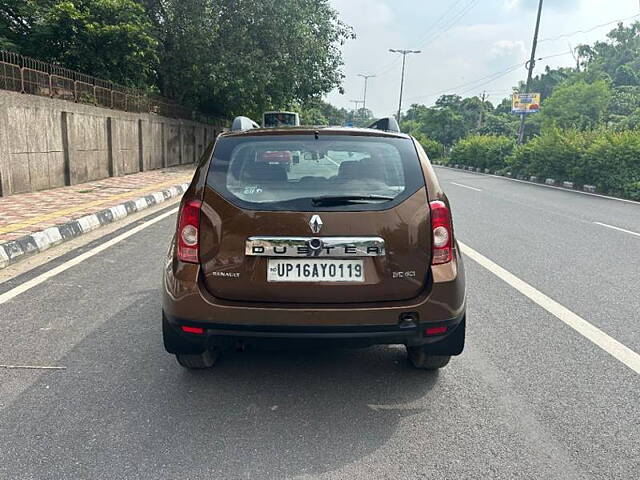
<point x="530" y="65"/>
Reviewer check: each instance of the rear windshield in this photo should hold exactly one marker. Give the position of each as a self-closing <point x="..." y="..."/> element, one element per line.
<point x="299" y="172"/>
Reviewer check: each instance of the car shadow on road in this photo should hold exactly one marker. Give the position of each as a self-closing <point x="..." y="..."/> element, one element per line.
<point x="125" y="408"/>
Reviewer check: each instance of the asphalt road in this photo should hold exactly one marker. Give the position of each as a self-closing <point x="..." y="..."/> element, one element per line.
<point x="529" y="398"/>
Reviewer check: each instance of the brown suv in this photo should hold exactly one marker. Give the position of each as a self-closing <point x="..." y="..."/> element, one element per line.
<point x="318" y="235"/>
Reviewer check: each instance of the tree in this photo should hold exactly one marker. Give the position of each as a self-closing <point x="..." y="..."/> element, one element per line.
<point x="186" y="31"/>
<point x="361" y="117"/>
<point x="451" y="118"/>
<point x="442" y="124"/>
<point x="579" y="105"/>
<point x="111" y="39"/>
<point x="504" y="107"/>
<point x="624" y="101"/>
<point x="248" y="56"/>
<point x="471" y="109"/>
<point x="222" y="57"/>
<point x="500" y="125"/>
<point x="16" y="20"/>
<point x="622" y="49"/>
<point x="319" y="112"/>
<point x="545" y="83"/>
<point x="451" y="101"/>
<point x="625" y="75"/>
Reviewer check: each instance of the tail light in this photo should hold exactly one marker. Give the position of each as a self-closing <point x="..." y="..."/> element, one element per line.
<point x="196" y="330"/>
<point x="188" y="231"/>
<point x="442" y="233"/>
<point x="435" y="331"/>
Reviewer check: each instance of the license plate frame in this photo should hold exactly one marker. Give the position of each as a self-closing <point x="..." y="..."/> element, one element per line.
<point x="317" y="270"/>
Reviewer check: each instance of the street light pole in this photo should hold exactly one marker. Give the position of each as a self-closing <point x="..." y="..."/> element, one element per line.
<point x="364" y="98"/>
<point x="530" y="65"/>
<point x="404" y="57"/>
<point x="357" y="110"/>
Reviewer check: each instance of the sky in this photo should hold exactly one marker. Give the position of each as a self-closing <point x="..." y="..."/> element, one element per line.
<point x="468" y="46"/>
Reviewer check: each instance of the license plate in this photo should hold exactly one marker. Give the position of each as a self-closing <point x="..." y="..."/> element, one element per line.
<point x="314" y="270"/>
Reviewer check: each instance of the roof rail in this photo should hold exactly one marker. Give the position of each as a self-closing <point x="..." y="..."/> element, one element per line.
<point x="388" y="124"/>
<point x="243" y="123"/>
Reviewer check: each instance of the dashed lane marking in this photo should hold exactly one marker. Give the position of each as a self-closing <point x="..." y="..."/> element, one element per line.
<point x="617" y="228"/>
<point x="466" y="186"/>
<point x="31" y="367"/>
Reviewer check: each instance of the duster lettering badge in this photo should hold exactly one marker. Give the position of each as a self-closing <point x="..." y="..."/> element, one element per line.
<point x="315" y="247"/>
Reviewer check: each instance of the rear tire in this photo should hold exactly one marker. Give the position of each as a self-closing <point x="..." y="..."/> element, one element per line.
<point x="419" y="358"/>
<point x="197" y="361"/>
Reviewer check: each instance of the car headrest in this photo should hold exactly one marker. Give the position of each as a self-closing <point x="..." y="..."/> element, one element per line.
<point x="374" y="168"/>
<point x="266" y="172"/>
<point x="350" y="169"/>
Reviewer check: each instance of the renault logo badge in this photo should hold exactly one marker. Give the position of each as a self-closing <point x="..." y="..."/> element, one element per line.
<point x="315" y="223"/>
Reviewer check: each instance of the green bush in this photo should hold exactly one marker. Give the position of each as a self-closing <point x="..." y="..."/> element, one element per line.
<point x="612" y="163"/>
<point x="435" y="150"/>
<point x="484" y="151"/>
<point x="554" y="154"/>
<point x="606" y="158"/>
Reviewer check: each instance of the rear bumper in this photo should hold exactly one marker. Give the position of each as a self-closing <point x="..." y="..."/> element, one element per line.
<point x="411" y="335"/>
<point x="186" y="298"/>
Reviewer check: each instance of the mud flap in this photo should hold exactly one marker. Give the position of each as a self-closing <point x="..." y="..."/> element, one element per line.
<point x="452" y="344"/>
<point x="176" y="342"/>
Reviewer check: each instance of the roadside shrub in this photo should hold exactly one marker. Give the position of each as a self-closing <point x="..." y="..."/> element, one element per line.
<point x="554" y="154"/>
<point x="612" y="163"/>
<point x="484" y="151"/>
<point x="435" y="150"/>
<point x="606" y="158"/>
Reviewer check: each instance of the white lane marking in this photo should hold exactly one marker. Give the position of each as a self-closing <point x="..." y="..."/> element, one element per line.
<point x="466" y="186"/>
<point x="610" y="345"/>
<point x="618" y="228"/>
<point x="43" y="277"/>
<point x="399" y="407"/>
<point x="543" y="185"/>
<point x="331" y="160"/>
<point x="31" y="367"/>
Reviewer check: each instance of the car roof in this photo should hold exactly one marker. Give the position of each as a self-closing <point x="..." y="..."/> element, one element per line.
<point x="307" y="130"/>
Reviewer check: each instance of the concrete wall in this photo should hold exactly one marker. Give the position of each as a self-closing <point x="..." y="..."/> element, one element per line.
<point x="47" y="143"/>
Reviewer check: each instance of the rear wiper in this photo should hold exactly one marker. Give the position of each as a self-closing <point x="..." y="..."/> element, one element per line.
<point x="348" y="199"/>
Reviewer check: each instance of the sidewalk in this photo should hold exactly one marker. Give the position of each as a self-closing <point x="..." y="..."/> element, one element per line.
<point x="32" y="222"/>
